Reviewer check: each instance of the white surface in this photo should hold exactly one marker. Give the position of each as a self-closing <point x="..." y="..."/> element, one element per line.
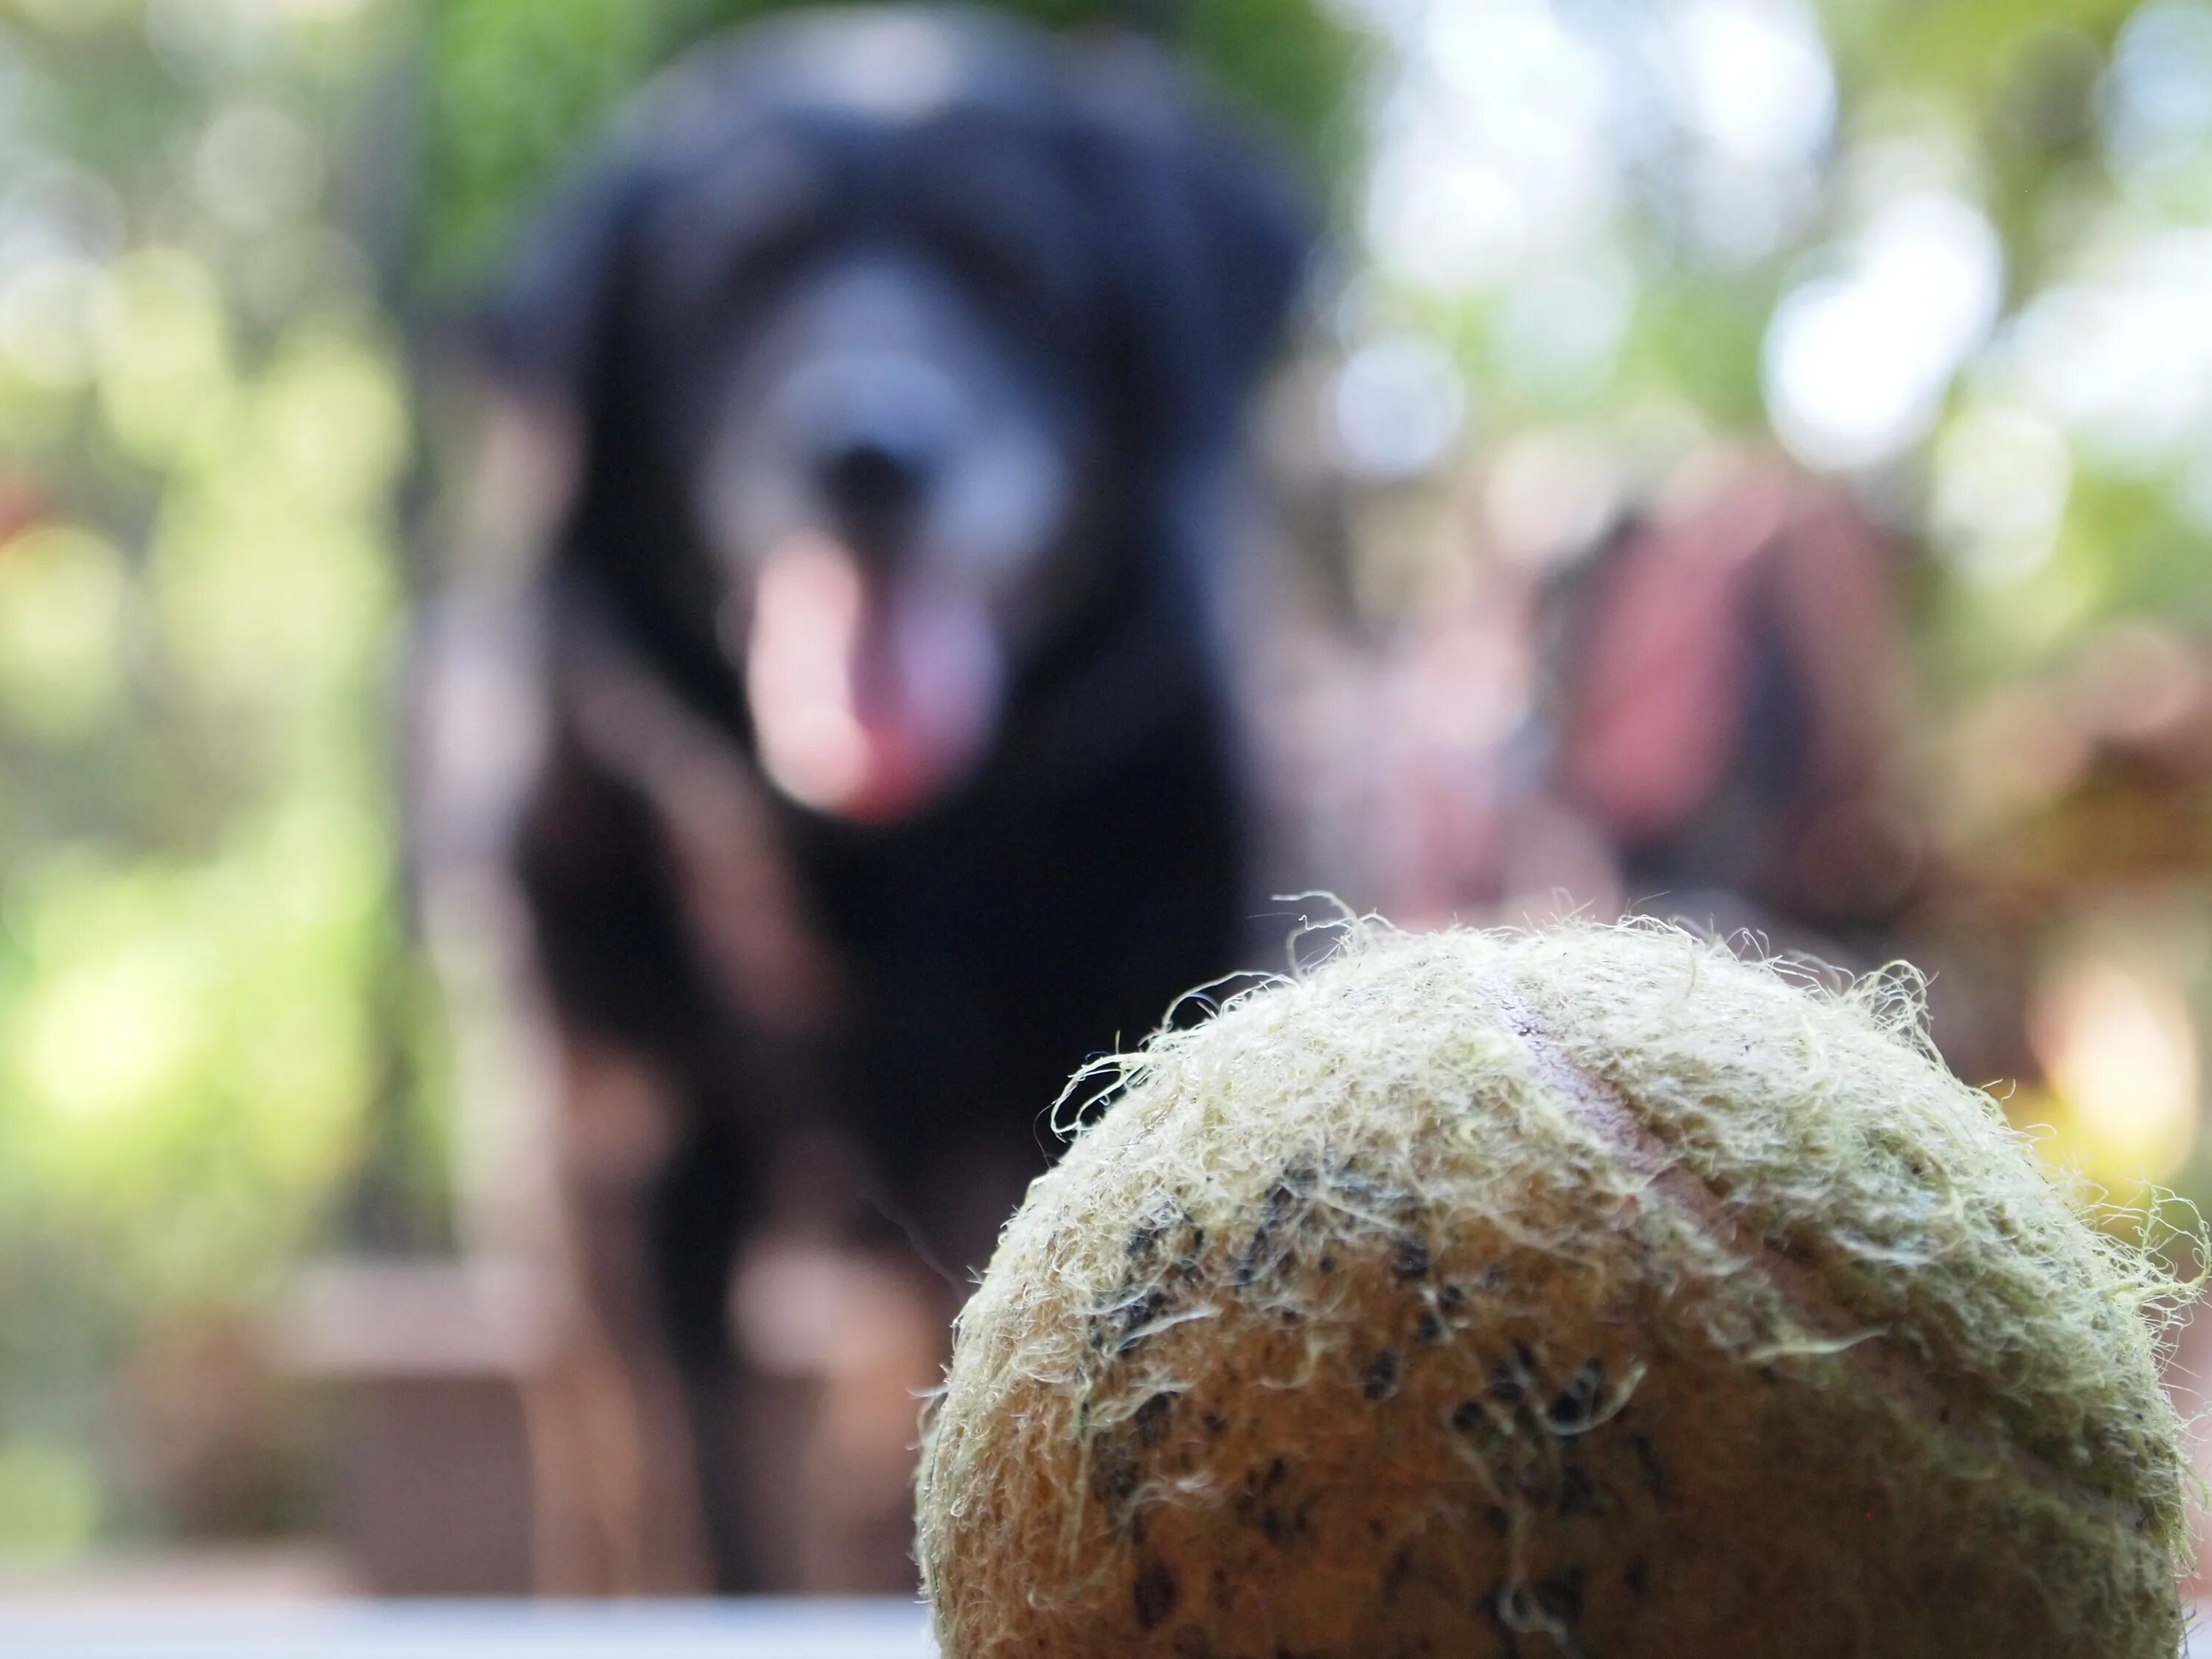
<point x="736" y="1630"/>
<point x="733" y="1630"/>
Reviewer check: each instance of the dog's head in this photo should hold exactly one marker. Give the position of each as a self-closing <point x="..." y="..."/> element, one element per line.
<point x="882" y="341"/>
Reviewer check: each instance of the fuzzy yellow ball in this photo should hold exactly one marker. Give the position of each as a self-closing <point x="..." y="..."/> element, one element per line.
<point x="1582" y="1293"/>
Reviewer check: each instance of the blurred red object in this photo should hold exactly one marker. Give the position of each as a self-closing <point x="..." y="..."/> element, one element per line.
<point x="22" y="504"/>
<point x="1730" y="702"/>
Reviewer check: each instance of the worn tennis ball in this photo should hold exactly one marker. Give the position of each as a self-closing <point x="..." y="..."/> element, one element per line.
<point x="1583" y="1293"/>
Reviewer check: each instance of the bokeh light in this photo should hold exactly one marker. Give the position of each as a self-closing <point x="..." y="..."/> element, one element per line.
<point x="1857" y="362"/>
<point x="2120" y="1051"/>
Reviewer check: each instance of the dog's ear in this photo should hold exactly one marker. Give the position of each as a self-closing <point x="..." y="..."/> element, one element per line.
<point x="1210" y="238"/>
<point x="551" y="332"/>
<point x="1256" y="239"/>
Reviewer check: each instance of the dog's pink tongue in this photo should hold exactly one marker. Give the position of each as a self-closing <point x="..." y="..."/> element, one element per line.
<point x="867" y="704"/>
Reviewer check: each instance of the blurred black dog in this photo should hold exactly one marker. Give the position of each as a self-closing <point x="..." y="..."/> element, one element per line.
<point x="897" y="362"/>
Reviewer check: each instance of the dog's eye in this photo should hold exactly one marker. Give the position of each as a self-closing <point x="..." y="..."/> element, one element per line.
<point x="1003" y="223"/>
<point x="737" y="232"/>
<point x="991" y="261"/>
<point x="763" y="263"/>
<point x="1027" y="274"/>
<point x="708" y="271"/>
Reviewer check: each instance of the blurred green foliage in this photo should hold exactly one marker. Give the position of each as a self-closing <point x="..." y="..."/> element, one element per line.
<point x="1597" y="212"/>
<point x="201" y="421"/>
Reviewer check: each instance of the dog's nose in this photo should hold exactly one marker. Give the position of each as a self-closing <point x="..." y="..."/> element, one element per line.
<point x="873" y="479"/>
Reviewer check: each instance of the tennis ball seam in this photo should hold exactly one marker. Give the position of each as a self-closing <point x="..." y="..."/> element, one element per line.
<point x="1608" y="1113"/>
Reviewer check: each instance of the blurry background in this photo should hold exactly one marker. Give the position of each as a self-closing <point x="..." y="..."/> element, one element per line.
<point x="1750" y="458"/>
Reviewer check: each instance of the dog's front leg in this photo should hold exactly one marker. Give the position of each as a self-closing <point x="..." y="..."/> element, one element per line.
<point x="621" y="1507"/>
<point x="658" y="1186"/>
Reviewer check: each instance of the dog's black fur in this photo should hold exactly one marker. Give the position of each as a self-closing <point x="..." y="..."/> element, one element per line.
<point x="1132" y="258"/>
